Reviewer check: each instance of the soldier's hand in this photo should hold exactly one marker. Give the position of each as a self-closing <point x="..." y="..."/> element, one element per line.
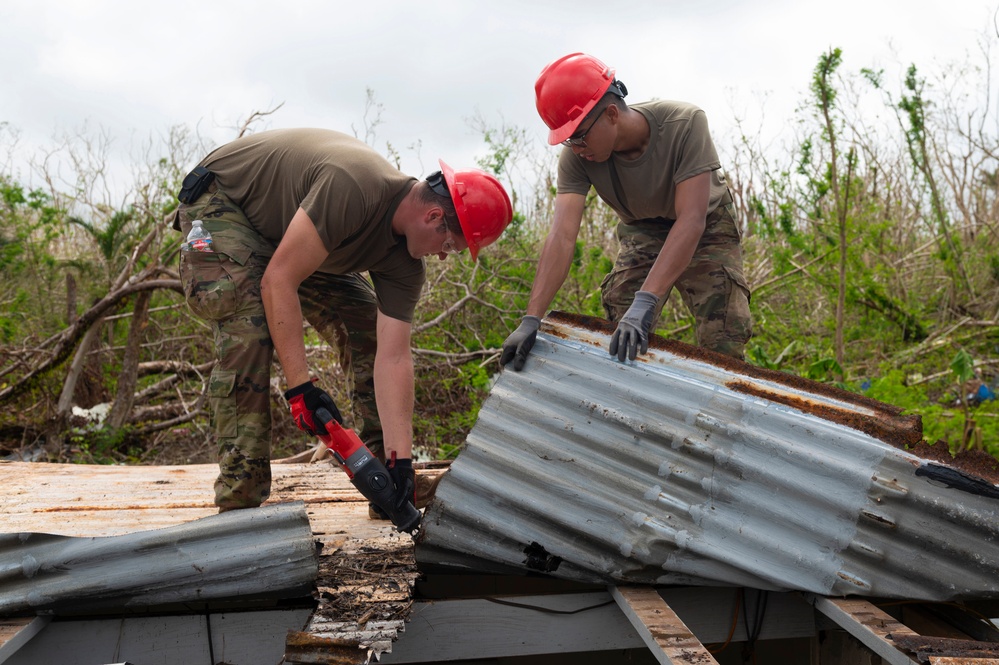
<point x="633" y="329"/>
<point x="305" y="400"/>
<point x="520" y="342"/>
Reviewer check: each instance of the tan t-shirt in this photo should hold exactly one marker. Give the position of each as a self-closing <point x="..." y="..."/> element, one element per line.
<point x="680" y="147"/>
<point x="348" y="190"/>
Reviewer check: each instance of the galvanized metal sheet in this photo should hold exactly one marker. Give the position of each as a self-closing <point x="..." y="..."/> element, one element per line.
<point x="685" y="468"/>
<point x="268" y="552"/>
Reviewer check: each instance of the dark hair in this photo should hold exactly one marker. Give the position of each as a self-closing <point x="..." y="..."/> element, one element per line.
<point x="427" y="195"/>
<point x="614" y="96"/>
<point x="610" y="99"/>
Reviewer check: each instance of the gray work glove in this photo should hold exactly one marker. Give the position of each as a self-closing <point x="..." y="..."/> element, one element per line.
<point x="634" y="326"/>
<point x="520" y="342"/>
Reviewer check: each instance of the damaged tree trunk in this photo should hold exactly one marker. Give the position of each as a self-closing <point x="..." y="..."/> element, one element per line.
<point x="54" y="435"/>
<point x="130" y="363"/>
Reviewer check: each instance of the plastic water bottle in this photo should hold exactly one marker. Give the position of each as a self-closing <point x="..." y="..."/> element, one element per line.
<point x="199" y="239"/>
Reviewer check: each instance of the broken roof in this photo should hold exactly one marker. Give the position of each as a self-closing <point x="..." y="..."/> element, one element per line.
<point x="243" y="554"/>
<point x="366" y="572"/>
<point x="685" y="467"/>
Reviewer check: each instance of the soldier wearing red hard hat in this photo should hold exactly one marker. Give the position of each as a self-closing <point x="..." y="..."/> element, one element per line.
<point x="655" y="165"/>
<point x="295" y="217"/>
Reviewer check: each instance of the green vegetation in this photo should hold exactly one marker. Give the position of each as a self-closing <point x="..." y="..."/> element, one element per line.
<point x="870" y="242"/>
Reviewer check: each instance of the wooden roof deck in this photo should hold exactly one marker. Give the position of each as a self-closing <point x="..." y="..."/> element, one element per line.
<point x="366" y="568"/>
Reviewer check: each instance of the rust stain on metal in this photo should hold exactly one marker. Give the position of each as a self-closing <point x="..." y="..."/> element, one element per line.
<point x="885" y="422"/>
<point x="880" y="519"/>
<point x="854" y="580"/>
<point x="890" y="485"/>
<point x="884" y="425"/>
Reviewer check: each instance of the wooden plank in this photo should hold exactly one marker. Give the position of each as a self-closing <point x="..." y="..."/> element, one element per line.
<point x="95" y="500"/>
<point x="926" y="647"/>
<point x="15" y="632"/>
<point x="667" y="637"/>
<point x="951" y="660"/>
<point x="869" y="624"/>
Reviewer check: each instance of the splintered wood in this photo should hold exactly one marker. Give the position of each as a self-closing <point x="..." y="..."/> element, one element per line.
<point x="364" y="595"/>
<point x="372" y="581"/>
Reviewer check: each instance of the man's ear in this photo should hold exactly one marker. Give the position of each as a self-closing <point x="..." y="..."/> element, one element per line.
<point x="434" y="216"/>
<point x="613" y="113"/>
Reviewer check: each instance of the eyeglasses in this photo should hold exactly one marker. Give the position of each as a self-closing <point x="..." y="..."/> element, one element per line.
<point x="579" y="141"/>
<point x="438" y="186"/>
<point x="448" y="247"/>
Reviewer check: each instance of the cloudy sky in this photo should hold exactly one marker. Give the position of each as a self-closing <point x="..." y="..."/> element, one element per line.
<point x="132" y="69"/>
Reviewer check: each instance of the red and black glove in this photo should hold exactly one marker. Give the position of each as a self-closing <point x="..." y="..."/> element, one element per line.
<point x="304" y="400"/>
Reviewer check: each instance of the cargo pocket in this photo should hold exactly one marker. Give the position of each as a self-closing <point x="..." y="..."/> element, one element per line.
<point x="738" y="320"/>
<point x="224" y="410"/>
<point x="208" y="285"/>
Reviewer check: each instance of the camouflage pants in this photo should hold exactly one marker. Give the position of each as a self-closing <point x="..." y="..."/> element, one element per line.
<point x="712" y="287"/>
<point x="223" y="288"/>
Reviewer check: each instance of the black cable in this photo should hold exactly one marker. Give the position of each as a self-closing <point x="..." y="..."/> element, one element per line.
<point x="547" y="610"/>
<point x="761" y="611"/>
<point x="208" y="626"/>
<point x="749" y="651"/>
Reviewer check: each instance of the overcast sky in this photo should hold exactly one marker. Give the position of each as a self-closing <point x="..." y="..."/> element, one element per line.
<point x="134" y="68"/>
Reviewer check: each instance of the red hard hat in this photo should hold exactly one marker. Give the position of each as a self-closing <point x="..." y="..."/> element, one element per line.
<point x="567" y="90"/>
<point x="482" y="204"/>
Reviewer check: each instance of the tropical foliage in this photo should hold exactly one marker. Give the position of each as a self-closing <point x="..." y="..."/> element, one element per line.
<point x="870" y="242"/>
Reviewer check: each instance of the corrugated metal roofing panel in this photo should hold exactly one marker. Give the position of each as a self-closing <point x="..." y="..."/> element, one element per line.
<point x="268" y="552"/>
<point x="686" y="468"/>
<point x="366" y="568"/>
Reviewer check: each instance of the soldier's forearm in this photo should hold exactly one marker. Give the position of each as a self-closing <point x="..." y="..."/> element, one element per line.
<point x="284" y="322"/>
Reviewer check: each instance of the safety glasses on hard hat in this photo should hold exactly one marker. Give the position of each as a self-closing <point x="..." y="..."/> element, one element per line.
<point x="438" y="186"/>
<point x="579" y="141"/>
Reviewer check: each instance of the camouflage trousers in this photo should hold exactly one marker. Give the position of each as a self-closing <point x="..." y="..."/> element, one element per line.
<point x="223" y="288"/>
<point x="712" y="287"/>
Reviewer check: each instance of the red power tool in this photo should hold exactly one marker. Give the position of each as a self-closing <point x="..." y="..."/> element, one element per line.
<point x="366" y="472"/>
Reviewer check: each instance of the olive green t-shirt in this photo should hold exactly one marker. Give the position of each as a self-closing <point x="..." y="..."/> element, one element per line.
<point x="680" y="147"/>
<point x="349" y="191"/>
